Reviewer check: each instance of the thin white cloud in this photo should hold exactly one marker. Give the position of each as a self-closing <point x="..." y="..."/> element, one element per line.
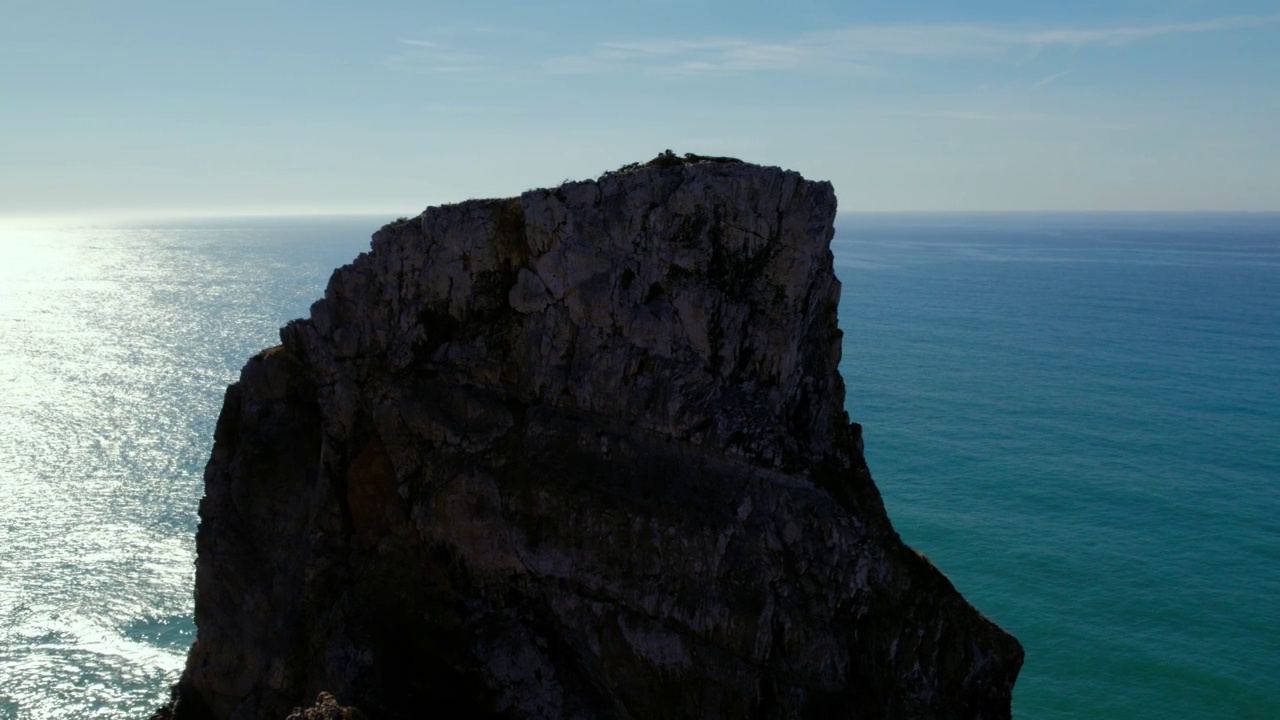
<point x="1123" y="34"/>
<point x="865" y="48"/>
<point x="855" y="49"/>
<point x="1047" y="79"/>
<point x="959" y="39"/>
<point x="429" y="56"/>
<point x="975" y="116"/>
<point x="664" y="46"/>
<point x="486" y="29"/>
<point x="579" y="65"/>
<point x="704" y="56"/>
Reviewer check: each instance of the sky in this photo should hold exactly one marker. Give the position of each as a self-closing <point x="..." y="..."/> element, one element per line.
<point x="168" y="108"/>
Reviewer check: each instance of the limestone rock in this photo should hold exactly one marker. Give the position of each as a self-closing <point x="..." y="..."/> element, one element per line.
<point x="577" y="454"/>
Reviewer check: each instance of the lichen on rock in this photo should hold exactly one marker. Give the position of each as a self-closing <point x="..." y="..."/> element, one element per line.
<point x="578" y="454"/>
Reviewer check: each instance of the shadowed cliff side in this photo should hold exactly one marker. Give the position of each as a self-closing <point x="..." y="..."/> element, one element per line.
<point x="577" y="454"/>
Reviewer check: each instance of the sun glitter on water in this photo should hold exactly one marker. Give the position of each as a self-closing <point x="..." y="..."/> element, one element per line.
<point x="116" y="344"/>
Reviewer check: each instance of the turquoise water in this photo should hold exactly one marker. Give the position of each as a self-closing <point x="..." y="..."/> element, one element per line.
<point x="1076" y="417"/>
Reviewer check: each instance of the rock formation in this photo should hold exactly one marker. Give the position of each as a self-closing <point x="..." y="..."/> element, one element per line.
<point x="577" y="454"/>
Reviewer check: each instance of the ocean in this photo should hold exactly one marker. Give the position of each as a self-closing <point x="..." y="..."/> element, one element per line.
<point x="1076" y="417"/>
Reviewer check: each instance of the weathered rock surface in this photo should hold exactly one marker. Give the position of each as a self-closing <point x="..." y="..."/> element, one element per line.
<point x="577" y="454"/>
<point x="326" y="707"/>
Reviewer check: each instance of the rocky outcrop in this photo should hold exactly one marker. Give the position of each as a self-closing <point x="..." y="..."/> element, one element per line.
<point x="326" y="707"/>
<point x="577" y="454"/>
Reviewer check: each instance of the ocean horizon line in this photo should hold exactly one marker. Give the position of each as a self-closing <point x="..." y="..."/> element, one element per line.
<point x="133" y="219"/>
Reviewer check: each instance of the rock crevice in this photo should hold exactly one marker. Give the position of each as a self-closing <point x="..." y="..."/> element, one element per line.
<point x="581" y="454"/>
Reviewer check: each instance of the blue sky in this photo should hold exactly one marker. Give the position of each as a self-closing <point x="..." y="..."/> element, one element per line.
<point x="120" y="108"/>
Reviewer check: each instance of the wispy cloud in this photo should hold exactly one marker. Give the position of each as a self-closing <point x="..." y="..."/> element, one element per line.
<point x="1119" y="35"/>
<point x="430" y="56"/>
<point x="960" y="39"/>
<point x="867" y="48"/>
<point x="437" y="51"/>
<point x="985" y="117"/>
<point x="676" y="54"/>
<point x="706" y="55"/>
<point x="1047" y="79"/>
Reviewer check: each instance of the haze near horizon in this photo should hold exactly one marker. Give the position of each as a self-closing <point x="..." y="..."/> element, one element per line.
<point x="149" y="108"/>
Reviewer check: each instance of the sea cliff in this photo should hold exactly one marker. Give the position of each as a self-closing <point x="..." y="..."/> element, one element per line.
<point x="577" y="454"/>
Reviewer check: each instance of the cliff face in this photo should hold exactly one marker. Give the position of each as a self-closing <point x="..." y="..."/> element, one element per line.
<point x="577" y="454"/>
